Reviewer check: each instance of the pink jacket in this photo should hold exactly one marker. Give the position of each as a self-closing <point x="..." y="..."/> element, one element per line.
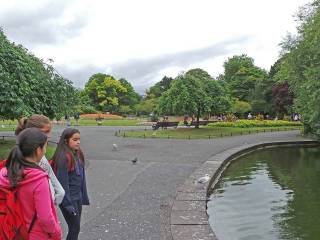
<point x="35" y="197"/>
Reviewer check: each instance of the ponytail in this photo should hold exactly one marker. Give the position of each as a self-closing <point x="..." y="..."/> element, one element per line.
<point x="35" y="121"/>
<point x="13" y="166"/>
<point x="22" y="123"/>
<point x="28" y="141"/>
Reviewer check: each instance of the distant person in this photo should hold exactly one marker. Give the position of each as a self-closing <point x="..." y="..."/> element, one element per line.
<point x="67" y="118"/>
<point x="44" y="125"/>
<point x="69" y="165"/>
<point x="76" y="118"/>
<point x="296" y="117"/>
<point x="250" y="116"/>
<point x="22" y="171"/>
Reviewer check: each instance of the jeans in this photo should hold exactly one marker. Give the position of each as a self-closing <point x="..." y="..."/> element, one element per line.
<point x="73" y="221"/>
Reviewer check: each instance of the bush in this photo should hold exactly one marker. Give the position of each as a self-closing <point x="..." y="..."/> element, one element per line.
<point x="255" y="123"/>
<point x="230" y="117"/>
<point x="259" y="117"/>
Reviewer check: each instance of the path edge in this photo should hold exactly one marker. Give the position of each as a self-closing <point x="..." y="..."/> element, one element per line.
<point x="188" y="217"/>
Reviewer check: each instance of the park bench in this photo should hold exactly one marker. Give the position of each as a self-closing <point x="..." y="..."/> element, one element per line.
<point x="202" y="122"/>
<point x="164" y="125"/>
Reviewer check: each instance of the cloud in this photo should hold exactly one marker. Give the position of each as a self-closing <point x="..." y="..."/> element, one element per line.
<point x="39" y="25"/>
<point x="143" y="73"/>
<point x="79" y="76"/>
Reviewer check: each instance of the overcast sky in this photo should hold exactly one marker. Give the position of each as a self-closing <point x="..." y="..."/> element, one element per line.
<point x="143" y="40"/>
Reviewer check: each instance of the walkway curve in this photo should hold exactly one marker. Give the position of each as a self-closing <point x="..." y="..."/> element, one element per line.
<point x="189" y="219"/>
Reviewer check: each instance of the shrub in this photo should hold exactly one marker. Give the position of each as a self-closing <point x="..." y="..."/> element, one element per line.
<point x="260" y="117"/>
<point x="230" y="117"/>
<point x="255" y="123"/>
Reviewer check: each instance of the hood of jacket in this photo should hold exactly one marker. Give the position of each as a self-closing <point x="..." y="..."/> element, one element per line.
<point x="29" y="175"/>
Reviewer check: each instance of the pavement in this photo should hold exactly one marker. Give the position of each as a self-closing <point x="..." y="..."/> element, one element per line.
<point x="133" y="202"/>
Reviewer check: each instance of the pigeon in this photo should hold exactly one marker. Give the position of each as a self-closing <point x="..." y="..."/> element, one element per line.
<point x="204" y="179"/>
<point x="114" y="147"/>
<point x="135" y="160"/>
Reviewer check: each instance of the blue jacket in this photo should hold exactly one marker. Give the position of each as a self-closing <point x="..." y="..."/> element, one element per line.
<point x="73" y="181"/>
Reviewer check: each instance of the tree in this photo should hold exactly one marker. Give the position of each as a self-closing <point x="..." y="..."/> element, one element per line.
<point x="146" y="106"/>
<point x="241" y="107"/>
<point x="130" y="97"/>
<point x="84" y="104"/>
<point x="29" y="85"/>
<point x="192" y="93"/>
<point x="159" y="88"/>
<point x="261" y="98"/>
<point x="283" y="98"/>
<point x="301" y="66"/>
<point x="104" y="91"/>
<point x="125" y="109"/>
<point x="241" y="75"/>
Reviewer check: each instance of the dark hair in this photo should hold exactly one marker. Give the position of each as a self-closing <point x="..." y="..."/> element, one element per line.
<point x="64" y="149"/>
<point x="27" y="143"/>
<point x="36" y="121"/>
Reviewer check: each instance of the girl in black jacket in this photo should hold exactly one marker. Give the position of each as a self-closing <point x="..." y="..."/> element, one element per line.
<point x="68" y="163"/>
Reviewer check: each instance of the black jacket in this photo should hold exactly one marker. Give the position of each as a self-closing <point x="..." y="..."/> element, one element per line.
<point x="73" y="181"/>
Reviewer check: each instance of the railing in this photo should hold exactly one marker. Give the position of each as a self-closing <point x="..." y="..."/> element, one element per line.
<point x="14" y="137"/>
<point x="146" y="133"/>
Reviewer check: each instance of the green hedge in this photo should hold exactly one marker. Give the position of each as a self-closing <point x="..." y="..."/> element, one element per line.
<point x="255" y="123"/>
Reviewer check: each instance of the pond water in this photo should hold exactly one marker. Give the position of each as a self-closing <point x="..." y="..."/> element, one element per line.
<point x="272" y="193"/>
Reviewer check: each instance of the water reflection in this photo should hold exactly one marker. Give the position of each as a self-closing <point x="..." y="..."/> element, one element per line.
<point x="269" y="194"/>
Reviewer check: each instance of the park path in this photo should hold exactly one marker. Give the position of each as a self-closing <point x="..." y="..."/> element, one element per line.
<point x="133" y="202"/>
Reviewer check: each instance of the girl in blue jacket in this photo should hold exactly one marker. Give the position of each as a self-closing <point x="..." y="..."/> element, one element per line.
<point x="68" y="163"/>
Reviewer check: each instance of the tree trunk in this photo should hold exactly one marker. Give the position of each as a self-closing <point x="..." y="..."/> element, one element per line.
<point x="198" y="116"/>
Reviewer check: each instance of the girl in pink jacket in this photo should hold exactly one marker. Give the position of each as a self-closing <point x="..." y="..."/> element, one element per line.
<point x="23" y="172"/>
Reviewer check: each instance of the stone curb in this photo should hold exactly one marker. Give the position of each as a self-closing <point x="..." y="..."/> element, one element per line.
<point x="189" y="219"/>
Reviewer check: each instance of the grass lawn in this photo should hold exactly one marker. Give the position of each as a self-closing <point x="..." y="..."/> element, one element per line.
<point x="201" y="133"/>
<point x="8" y="125"/>
<point x="7" y="145"/>
<point x="7" y="129"/>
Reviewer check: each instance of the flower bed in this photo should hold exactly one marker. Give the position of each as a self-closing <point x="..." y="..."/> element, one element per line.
<point x="255" y="123"/>
<point x="99" y="116"/>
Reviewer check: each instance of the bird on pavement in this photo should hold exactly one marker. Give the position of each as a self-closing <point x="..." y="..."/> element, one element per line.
<point x="204" y="179"/>
<point x="114" y="147"/>
<point x="135" y="160"/>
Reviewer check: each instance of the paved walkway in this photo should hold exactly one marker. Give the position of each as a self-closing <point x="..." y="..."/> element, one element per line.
<point x="133" y="202"/>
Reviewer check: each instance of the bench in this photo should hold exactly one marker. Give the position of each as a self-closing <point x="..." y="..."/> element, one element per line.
<point x="203" y="122"/>
<point x="164" y="125"/>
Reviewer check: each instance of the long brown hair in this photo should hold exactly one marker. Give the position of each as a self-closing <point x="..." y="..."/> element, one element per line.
<point x="27" y="143"/>
<point x="36" y="121"/>
<point x="63" y="149"/>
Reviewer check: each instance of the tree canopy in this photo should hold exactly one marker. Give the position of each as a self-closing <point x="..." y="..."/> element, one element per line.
<point x="301" y="66"/>
<point x="241" y="75"/>
<point x="129" y="98"/>
<point x="104" y="91"/>
<point x="159" y="88"/>
<point x="193" y="93"/>
<point x="29" y="85"/>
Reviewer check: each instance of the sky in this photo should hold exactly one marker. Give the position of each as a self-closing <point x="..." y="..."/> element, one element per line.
<point x="145" y="40"/>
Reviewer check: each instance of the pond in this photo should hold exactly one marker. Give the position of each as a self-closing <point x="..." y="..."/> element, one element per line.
<point x="272" y="193"/>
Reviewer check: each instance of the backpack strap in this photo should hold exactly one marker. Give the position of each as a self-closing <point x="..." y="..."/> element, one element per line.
<point x="32" y="222"/>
